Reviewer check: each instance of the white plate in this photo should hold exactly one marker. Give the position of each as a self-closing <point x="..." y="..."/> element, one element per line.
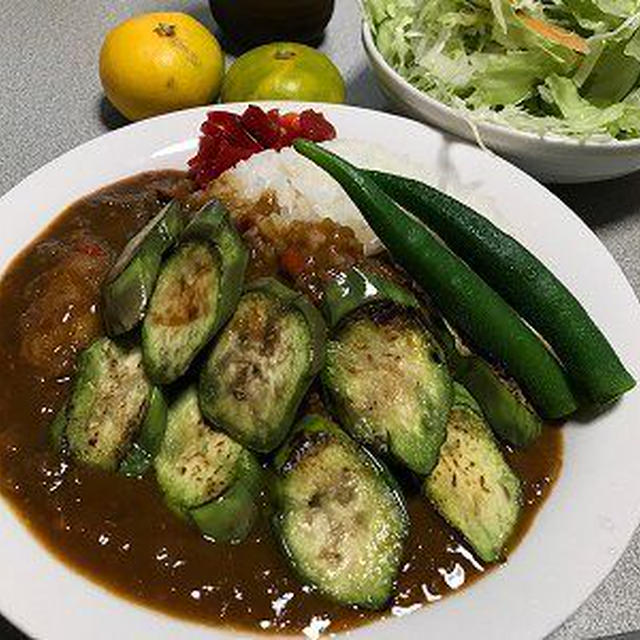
<point x="581" y="530"/>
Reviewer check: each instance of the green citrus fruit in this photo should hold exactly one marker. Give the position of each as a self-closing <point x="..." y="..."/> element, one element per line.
<point x="283" y="71"/>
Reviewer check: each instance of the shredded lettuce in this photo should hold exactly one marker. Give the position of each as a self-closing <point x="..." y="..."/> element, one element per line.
<point x="563" y="67"/>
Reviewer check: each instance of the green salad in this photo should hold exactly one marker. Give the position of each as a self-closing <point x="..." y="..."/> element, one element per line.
<point x="566" y="67"/>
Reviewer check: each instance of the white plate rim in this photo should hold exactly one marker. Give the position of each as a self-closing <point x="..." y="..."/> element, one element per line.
<point x="61" y="603"/>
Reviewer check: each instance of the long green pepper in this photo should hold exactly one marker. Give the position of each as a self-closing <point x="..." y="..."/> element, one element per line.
<point x="525" y="283"/>
<point x="464" y="298"/>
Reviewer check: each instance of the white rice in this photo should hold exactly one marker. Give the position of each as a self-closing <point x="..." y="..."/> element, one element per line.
<point x="306" y="192"/>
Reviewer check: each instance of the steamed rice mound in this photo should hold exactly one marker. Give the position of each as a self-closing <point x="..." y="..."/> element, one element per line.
<point x="305" y="192"/>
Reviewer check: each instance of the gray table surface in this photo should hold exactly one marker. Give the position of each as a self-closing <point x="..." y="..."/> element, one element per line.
<point x="51" y="101"/>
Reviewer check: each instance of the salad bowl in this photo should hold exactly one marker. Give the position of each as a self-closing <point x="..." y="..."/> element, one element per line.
<point x="550" y="157"/>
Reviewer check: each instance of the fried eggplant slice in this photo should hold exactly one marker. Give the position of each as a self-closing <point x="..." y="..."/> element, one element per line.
<point x="197" y="290"/>
<point x="231" y="516"/>
<point x="205" y="475"/>
<point x="503" y="404"/>
<point x="472" y="486"/>
<point x="389" y="384"/>
<point x="341" y="520"/>
<point x="129" y="284"/>
<point x="147" y="444"/>
<point x="108" y="404"/>
<point x="262" y="365"/>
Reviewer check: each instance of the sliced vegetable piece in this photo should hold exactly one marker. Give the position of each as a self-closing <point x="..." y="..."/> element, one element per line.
<point x="195" y="464"/>
<point x="182" y="313"/>
<point x="197" y="290"/>
<point x="340" y="518"/>
<point x="108" y="403"/>
<point x="155" y="422"/>
<point x="357" y="287"/>
<point x="389" y="383"/>
<point x="213" y="223"/>
<point x="129" y="284"/>
<point x="526" y="284"/>
<point x="503" y="404"/>
<point x="472" y="486"/>
<point x="262" y="365"/>
<point x="136" y="463"/>
<point x="465" y="300"/>
<point x="230" y="517"/>
<point x="205" y="475"/>
<point x="148" y="442"/>
<point x="58" y="428"/>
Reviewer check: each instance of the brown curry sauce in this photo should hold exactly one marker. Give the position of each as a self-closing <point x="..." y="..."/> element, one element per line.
<point x="117" y="531"/>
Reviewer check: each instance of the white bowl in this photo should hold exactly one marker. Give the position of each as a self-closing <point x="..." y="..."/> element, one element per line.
<point x="549" y="158"/>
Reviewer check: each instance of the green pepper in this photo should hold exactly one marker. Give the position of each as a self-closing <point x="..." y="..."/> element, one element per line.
<point x="523" y="281"/>
<point x="464" y="298"/>
<point x="356" y="287"/>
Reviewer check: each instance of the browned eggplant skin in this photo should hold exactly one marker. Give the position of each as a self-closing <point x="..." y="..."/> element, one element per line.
<point x="260" y="21"/>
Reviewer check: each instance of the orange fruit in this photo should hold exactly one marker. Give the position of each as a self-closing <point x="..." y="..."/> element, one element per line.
<point x="159" y="62"/>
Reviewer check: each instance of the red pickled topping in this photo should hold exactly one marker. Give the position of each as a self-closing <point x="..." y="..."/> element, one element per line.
<point x="290" y="127"/>
<point x="314" y="126"/>
<point x="227" y="138"/>
<point x="231" y="127"/>
<point x="274" y="116"/>
<point x="265" y="130"/>
<point x="290" y="121"/>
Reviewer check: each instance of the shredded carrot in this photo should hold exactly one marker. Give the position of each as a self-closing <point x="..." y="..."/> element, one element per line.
<point x="553" y="33"/>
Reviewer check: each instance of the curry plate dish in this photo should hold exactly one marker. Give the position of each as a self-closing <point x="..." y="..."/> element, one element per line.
<point x="258" y="393"/>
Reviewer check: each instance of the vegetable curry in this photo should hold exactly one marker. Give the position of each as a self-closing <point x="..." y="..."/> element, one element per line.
<point x="117" y="530"/>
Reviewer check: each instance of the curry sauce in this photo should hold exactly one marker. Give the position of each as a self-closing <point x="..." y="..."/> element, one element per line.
<point x="118" y="531"/>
